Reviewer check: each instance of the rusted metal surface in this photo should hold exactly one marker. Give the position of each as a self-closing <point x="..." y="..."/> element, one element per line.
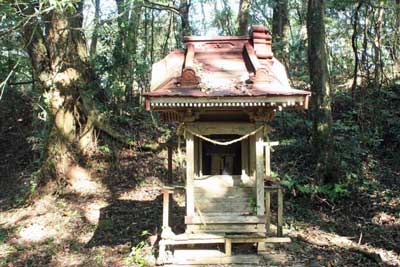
<point x="222" y="66"/>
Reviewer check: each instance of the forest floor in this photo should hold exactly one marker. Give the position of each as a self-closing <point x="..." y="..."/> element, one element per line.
<point x="109" y="213"/>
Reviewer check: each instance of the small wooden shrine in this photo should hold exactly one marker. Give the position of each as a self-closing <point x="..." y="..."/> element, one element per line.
<point x="222" y="92"/>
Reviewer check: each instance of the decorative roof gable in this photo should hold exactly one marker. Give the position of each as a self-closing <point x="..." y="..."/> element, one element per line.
<point x="221" y="67"/>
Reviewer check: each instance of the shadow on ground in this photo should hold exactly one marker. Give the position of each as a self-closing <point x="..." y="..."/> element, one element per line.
<point x="132" y="221"/>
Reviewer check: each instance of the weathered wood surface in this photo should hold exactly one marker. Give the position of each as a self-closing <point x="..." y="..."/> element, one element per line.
<point x="259" y="149"/>
<point x="213" y="197"/>
<point x="207" y="128"/>
<point x="224" y="205"/>
<point x="189" y="174"/>
<point x="197" y="256"/>
<point x="224" y="219"/>
<point x="165" y="209"/>
<point x="225" y="228"/>
<point x="220" y="182"/>
<point x="260" y="172"/>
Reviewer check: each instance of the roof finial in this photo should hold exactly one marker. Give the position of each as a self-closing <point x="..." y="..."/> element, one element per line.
<point x="262" y="41"/>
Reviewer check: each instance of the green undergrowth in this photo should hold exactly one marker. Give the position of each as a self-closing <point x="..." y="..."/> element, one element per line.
<point x="366" y="146"/>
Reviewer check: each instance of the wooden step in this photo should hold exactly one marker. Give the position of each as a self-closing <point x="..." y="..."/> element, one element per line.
<point x="203" y="256"/>
<point x="224" y="219"/>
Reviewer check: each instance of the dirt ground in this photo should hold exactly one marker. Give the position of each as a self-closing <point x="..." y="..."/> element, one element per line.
<point x="112" y="214"/>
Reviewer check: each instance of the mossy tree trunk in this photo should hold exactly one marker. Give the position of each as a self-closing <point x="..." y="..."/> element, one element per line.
<point x="58" y="53"/>
<point x="321" y="95"/>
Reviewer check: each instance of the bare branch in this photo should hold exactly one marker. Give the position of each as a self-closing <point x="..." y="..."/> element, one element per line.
<point x="4" y="83"/>
<point x="161" y="7"/>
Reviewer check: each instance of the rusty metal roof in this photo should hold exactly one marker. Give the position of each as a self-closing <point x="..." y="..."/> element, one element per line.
<point x="228" y="66"/>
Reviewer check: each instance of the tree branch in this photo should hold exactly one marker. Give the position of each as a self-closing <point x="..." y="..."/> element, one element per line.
<point x="161" y="7"/>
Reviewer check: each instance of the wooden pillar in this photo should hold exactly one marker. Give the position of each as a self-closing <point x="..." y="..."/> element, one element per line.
<point x="260" y="172"/>
<point x="189" y="174"/>
<point x="228" y="247"/>
<point x="166" y="230"/>
<point x="259" y="156"/>
<point x="165" y="221"/>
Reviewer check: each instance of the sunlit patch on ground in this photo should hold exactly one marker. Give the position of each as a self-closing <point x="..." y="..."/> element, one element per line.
<point x="35" y="233"/>
<point x="67" y="259"/>
<point x="81" y="181"/>
<point x="92" y="211"/>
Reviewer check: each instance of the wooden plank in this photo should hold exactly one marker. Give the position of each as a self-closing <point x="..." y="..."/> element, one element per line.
<point x="220" y="182"/>
<point x="226" y="228"/>
<point x="224" y="205"/>
<point x="189" y="174"/>
<point x="223" y="219"/>
<point x="236" y="191"/>
<point x="206" y="257"/>
<point x="228" y="247"/>
<point x="192" y="241"/>
<point x="198" y="236"/>
<point x="207" y="128"/>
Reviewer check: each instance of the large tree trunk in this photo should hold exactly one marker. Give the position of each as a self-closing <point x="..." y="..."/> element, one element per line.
<point x="184" y="14"/>
<point x="280" y="31"/>
<point x="243" y="17"/>
<point x="321" y="98"/>
<point x="57" y="49"/>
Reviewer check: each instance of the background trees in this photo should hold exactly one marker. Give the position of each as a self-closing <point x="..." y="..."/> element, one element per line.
<point x="83" y="65"/>
<point x="320" y="87"/>
<point x="71" y="78"/>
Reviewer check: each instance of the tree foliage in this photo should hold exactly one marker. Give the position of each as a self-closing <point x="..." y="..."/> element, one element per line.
<point x="111" y="45"/>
